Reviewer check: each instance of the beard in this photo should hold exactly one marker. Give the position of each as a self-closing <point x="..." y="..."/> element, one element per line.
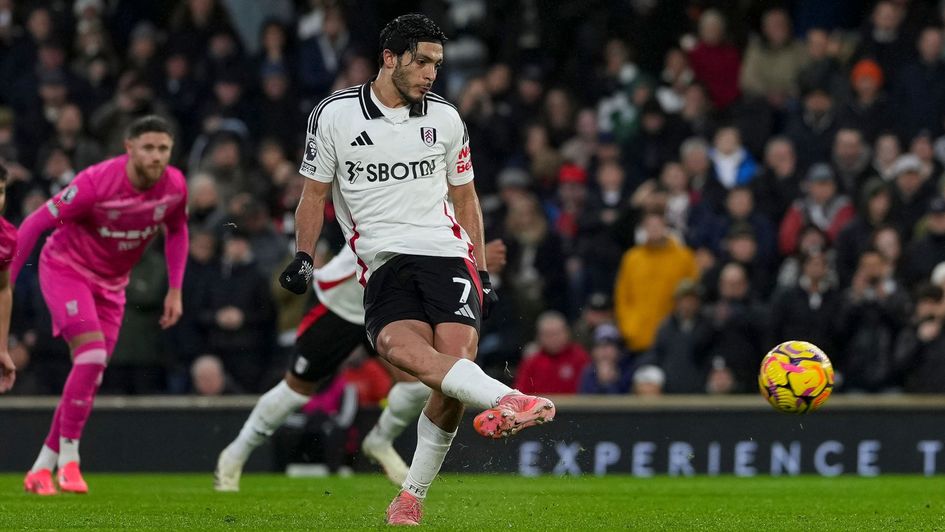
<point x="148" y="175"/>
<point x="399" y="77"/>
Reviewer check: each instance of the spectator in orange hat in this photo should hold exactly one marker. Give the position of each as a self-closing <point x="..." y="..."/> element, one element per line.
<point x="868" y="111"/>
<point x="883" y="39"/>
<point x="867" y="70"/>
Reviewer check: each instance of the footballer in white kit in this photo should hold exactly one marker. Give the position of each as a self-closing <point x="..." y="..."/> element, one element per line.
<point x="395" y="159"/>
<point x="389" y="189"/>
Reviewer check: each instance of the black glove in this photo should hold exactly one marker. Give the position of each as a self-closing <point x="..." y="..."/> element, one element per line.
<point x="297" y="274"/>
<point x="489" y="296"/>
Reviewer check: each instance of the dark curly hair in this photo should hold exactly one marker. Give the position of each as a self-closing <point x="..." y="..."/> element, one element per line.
<point x="148" y="124"/>
<point x="404" y="32"/>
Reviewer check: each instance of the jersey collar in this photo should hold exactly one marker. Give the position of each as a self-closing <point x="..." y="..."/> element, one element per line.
<point x="371" y="111"/>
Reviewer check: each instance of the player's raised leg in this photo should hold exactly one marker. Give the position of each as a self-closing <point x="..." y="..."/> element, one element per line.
<point x="461" y="381"/>
<point x="399" y="297"/>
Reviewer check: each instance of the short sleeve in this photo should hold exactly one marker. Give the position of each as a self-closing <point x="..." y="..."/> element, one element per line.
<point x="459" y="169"/>
<point x="318" y="161"/>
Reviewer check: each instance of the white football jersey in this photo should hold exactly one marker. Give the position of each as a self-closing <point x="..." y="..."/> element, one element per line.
<point x="337" y="286"/>
<point x="389" y="171"/>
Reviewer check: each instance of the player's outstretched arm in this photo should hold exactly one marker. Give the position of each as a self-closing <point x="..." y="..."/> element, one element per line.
<point x="37" y="223"/>
<point x="72" y="203"/>
<point x="308" y="225"/>
<point x="7" y="369"/>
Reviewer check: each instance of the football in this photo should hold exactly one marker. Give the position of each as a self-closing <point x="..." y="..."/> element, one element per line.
<point x="796" y="377"/>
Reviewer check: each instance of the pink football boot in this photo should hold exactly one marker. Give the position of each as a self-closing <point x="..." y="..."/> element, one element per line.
<point x="40" y="483"/>
<point x="404" y="510"/>
<point x="514" y="412"/>
<point x="70" y="479"/>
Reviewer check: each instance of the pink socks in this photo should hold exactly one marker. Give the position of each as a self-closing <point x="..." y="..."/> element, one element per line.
<point x="74" y="408"/>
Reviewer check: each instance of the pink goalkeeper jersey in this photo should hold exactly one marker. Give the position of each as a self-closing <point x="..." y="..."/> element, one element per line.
<point x="7" y="244"/>
<point x="103" y="224"/>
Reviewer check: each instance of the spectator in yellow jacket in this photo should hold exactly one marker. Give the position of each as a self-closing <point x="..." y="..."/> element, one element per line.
<point x="649" y="273"/>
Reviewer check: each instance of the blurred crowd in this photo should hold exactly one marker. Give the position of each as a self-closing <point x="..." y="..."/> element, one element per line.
<point x="680" y="184"/>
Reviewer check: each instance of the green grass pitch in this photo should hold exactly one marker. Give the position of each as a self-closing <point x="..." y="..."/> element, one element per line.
<point x="487" y="502"/>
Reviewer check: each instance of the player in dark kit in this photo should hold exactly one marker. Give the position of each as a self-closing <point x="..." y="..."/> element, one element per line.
<point x="395" y="159"/>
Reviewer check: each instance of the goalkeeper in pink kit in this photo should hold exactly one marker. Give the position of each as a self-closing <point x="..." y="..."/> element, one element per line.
<point x="104" y="220"/>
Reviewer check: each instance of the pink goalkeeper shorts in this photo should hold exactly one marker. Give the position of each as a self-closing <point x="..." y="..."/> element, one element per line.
<point x="78" y="305"/>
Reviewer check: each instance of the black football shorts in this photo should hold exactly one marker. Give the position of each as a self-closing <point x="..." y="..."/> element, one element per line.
<point x="430" y="289"/>
<point x="324" y="341"/>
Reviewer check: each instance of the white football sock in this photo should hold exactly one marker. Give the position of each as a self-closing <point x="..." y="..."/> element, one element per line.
<point x="405" y="401"/>
<point x="432" y="445"/>
<point x="467" y="382"/>
<point x="268" y="415"/>
<point x="68" y="451"/>
<point x="46" y="460"/>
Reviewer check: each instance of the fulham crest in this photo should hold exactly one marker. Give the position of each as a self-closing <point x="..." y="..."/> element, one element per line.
<point x="428" y="135"/>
